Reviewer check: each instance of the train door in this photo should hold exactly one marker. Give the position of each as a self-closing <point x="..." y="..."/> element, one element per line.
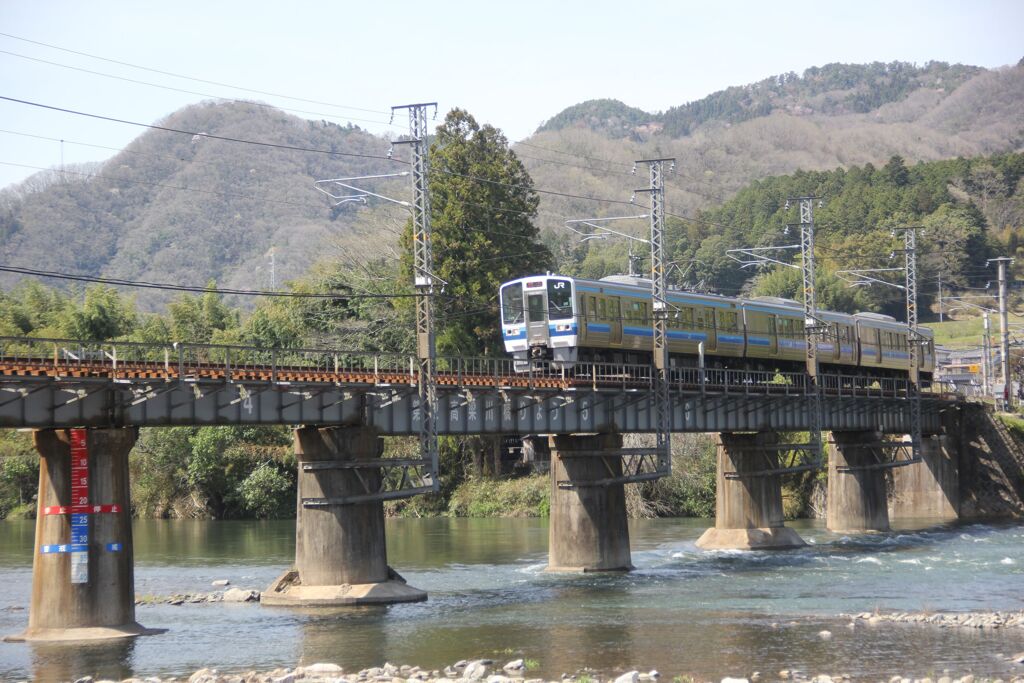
<point x="536" y="317"/>
<point x="615" y="314"/>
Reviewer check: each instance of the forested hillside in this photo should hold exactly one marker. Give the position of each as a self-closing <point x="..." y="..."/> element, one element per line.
<point x="834" y="116"/>
<point x="188" y="209"/>
<point x="183" y="209"/>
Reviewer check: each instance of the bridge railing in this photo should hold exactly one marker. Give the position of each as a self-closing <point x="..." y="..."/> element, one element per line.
<point x="251" y="363"/>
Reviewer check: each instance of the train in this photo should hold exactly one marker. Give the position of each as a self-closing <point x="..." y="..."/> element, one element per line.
<point x="566" y="320"/>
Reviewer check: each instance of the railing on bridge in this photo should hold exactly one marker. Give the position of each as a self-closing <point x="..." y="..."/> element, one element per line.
<point x="125" y="360"/>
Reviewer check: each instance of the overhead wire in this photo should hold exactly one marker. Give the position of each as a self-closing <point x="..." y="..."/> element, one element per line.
<point x="193" y="78"/>
<point x="142" y="284"/>
<point x="191" y="92"/>
<point x="209" y="136"/>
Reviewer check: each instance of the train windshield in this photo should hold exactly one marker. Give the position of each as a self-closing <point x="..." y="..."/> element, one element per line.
<point x="559" y="300"/>
<point x="512" y="303"/>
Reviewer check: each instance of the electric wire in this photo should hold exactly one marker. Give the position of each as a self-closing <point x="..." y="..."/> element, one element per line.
<point x="192" y="78"/>
<point x="210" y="136"/>
<point x="192" y="92"/>
<point x="141" y="284"/>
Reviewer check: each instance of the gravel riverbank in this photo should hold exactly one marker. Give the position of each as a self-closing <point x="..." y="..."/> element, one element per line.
<point x="991" y="620"/>
<point x="487" y="671"/>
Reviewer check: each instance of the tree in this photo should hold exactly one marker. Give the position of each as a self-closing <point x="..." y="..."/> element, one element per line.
<point x="482" y="210"/>
<point x="104" y="315"/>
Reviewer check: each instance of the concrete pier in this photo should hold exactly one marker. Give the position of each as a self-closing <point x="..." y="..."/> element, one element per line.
<point x="930" y="488"/>
<point x="340" y="553"/>
<point x="856" y="497"/>
<point x="83" y="587"/>
<point x="748" y="509"/>
<point x="587" y="529"/>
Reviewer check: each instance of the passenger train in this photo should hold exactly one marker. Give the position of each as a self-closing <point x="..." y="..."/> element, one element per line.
<point x="567" y="320"/>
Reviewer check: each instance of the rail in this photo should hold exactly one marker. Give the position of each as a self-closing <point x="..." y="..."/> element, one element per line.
<point x="130" y="361"/>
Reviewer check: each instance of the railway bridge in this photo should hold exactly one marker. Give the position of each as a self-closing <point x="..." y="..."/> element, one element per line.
<point x="86" y="401"/>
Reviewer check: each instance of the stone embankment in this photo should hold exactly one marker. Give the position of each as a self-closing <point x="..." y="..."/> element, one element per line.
<point x="991" y="620"/>
<point x="485" y="671"/>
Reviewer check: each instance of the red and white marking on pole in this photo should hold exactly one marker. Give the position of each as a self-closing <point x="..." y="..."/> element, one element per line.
<point x="79" y="499"/>
<point x="80" y="509"/>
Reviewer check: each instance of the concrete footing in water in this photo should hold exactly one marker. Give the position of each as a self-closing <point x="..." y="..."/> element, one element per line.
<point x="856" y="490"/>
<point x="340" y="553"/>
<point x="748" y="508"/>
<point x="587" y="528"/>
<point x="930" y="488"/>
<point x="83" y="582"/>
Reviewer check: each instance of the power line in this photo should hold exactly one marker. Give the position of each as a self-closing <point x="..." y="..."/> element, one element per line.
<point x="192" y="78"/>
<point x="182" y="188"/>
<point x="191" y="288"/>
<point x="210" y="136"/>
<point x="189" y="92"/>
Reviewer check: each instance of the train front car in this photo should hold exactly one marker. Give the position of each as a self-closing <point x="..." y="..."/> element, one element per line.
<point x="538" y="320"/>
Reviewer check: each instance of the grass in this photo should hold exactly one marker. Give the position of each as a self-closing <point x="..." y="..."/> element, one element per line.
<point x="1014" y="424"/>
<point x="517" y="497"/>
<point x="966" y="333"/>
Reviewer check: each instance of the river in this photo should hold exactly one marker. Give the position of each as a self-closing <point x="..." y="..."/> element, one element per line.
<point x="682" y="612"/>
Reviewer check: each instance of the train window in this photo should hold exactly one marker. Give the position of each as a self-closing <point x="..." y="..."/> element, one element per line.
<point x="512" y="303"/>
<point x="602" y="308"/>
<point x="731" y="321"/>
<point x="559" y="300"/>
<point x="686" y="318"/>
<point x="616" y="309"/>
<point x="592" y="309"/>
<point x="535" y="307"/>
<point x="771" y="325"/>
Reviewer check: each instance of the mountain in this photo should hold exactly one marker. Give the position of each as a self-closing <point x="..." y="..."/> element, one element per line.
<point x="186" y="209"/>
<point x="838" y="115"/>
<point x="174" y="208"/>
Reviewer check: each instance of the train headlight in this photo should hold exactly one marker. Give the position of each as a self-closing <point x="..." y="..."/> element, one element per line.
<point x="563" y="328"/>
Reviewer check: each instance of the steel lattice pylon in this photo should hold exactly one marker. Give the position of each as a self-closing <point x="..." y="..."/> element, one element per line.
<point x="812" y="326"/>
<point x="423" y="274"/>
<point x="659" y="302"/>
<point x="914" y="340"/>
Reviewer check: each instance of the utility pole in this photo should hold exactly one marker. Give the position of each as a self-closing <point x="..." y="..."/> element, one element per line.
<point x="813" y="328"/>
<point x="986" y="354"/>
<point x="942" y="246"/>
<point x="423" y="279"/>
<point x="659" y="300"/>
<point x="1004" y="331"/>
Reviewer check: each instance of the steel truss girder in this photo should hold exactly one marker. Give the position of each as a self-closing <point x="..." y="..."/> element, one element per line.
<point x="886" y="455"/>
<point x="638" y="465"/>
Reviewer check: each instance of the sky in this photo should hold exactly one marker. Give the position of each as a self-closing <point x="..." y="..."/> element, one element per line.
<point x="512" y="64"/>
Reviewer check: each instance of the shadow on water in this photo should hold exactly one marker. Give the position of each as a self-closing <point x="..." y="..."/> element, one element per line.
<point x="53" y="662"/>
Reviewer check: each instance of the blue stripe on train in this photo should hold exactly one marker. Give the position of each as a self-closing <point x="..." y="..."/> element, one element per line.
<point x="759" y="341"/>
<point x="639" y="331"/>
<point x="730" y="339"/>
<point x="598" y="327"/>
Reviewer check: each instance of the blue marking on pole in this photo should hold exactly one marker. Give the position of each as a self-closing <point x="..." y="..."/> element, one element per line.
<point x="64" y="548"/>
<point x="115" y="547"/>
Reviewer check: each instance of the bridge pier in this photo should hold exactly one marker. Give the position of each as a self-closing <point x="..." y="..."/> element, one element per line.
<point x="748" y="509"/>
<point x="83" y="581"/>
<point x="930" y="488"/>
<point x="856" y="497"/>
<point x="587" y="527"/>
<point x="340" y="552"/>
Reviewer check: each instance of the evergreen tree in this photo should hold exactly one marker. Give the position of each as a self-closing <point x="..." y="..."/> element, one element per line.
<point x="482" y="210"/>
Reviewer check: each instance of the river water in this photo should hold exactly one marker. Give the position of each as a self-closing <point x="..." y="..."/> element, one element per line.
<point x="682" y="612"/>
